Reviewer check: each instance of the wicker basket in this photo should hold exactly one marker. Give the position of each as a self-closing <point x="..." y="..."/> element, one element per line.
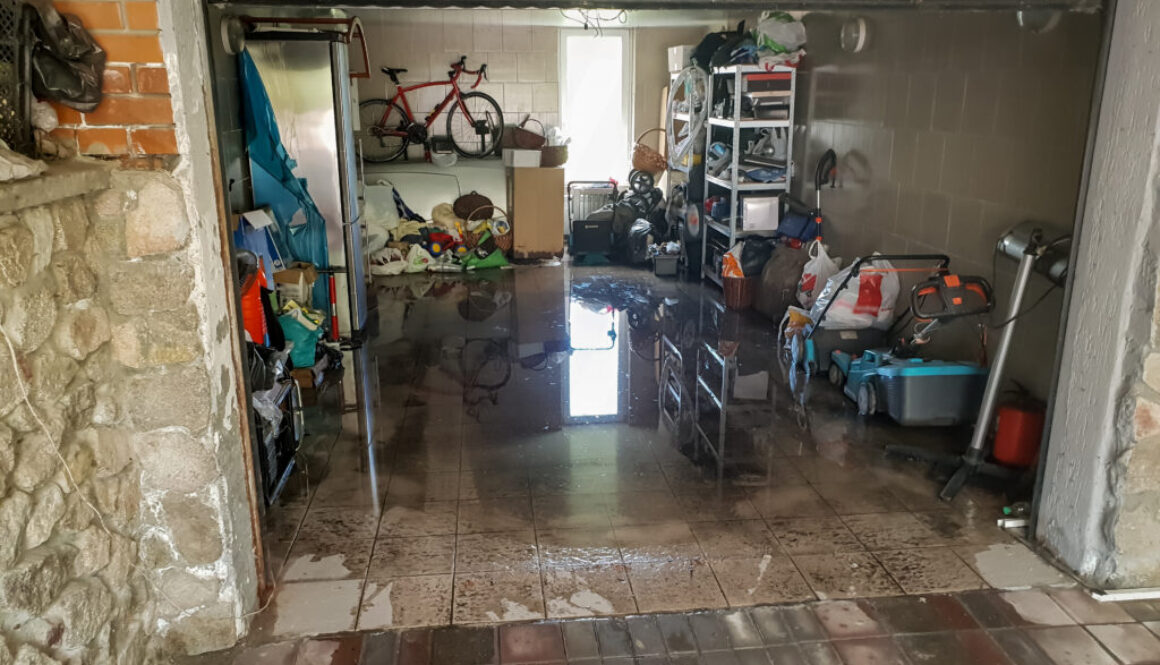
<point x="518" y="137"/>
<point x="504" y="242"/>
<point x="552" y="156"/>
<point x="645" y="158"/>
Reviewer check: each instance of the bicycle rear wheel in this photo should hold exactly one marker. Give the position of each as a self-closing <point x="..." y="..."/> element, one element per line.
<point x="377" y="117"/>
<point x="480" y="136"/>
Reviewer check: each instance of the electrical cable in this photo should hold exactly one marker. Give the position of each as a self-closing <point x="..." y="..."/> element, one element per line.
<point x="1038" y="301"/>
<point x="65" y="467"/>
<point x="1025" y="310"/>
<point x="590" y="20"/>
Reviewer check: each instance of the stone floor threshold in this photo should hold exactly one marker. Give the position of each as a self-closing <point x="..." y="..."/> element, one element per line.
<point x="987" y="627"/>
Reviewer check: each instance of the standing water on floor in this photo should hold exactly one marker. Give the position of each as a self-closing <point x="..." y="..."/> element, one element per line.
<point x="565" y="442"/>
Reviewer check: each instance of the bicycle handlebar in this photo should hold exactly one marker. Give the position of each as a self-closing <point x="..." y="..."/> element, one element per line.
<point x="461" y="67"/>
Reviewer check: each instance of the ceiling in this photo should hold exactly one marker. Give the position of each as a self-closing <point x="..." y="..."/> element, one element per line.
<point x="678" y="6"/>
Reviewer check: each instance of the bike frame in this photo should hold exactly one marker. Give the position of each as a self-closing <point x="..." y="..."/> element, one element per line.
<point x="453" y="94"/>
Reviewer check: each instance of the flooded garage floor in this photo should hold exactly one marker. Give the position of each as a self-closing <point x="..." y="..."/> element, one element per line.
<point x="539" y="455"/>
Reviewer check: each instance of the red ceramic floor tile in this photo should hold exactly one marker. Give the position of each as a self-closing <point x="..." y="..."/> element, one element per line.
<point x="531" y="643"/>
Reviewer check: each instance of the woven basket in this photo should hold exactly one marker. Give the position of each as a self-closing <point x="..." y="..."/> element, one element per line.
<point x="645" y="158"/>
<point x="520" y="138"/>
<point x="552" y="156"/>
<point x="472" y="203"/>
<point x="504" y="242"/>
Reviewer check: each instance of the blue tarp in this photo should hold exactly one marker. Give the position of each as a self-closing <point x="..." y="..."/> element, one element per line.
<point x="275" y="185"/>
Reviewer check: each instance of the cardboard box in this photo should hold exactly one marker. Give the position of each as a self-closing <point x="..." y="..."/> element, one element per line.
<point x="536" y="203"/>
<point x="309" y="379"/>
<point x="680" y="57"/>
<point x="296" y="281"/>
<point x="521" y="158"/>
<point x="760" y="213"/>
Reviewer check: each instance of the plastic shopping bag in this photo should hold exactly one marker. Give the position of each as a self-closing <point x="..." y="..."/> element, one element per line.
<point x="818" y="270"/>
<point x="731" y="262"/>
<point x="867" y="300"/>
<point x="418" y="259"/>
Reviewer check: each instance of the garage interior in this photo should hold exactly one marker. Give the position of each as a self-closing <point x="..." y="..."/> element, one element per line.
<point x="569" y="437"/>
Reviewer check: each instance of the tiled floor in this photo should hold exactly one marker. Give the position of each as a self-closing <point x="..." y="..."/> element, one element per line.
<point x="970" y="628"/>
<point x="495" y="495"/>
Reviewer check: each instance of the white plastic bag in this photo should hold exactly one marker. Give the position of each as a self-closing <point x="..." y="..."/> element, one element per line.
<point x="817" y="271"/>
<point x="379" y="206"/>
<point x="388" y="261"/>
<point x="867" y="301"/>
<point x="418" y="259"/>
<point x="780" y="33"/>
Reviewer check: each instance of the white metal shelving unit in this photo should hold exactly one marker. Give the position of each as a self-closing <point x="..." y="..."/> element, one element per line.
<point x="731" y="229"/>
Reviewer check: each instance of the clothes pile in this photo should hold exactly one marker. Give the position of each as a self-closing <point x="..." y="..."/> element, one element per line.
<point x="468" y="234"/>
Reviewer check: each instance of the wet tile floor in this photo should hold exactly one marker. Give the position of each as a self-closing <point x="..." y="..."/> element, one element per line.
<point x="523" y="470"/>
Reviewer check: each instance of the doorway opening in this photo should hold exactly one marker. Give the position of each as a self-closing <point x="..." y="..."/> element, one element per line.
<point x="596" y="98"/>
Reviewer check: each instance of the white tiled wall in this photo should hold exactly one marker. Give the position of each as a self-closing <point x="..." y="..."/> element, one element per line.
<point x="521" y="58"/>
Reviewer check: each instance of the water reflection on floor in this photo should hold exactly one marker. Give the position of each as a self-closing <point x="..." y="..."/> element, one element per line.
<point x="545" y="448"/>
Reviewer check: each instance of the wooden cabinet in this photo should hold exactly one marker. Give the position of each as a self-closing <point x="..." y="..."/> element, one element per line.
<point x="536" y="201"/>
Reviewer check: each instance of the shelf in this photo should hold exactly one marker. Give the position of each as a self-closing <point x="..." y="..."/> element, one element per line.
<point x="704" y="385"/>
<point x="748" y="123"/>
<point x="713" y="277"/>
<point x="683" y="117"/>
<point x="753" y="69"/>
<point x="724" y="229"/>
<point x="747" y="186"/>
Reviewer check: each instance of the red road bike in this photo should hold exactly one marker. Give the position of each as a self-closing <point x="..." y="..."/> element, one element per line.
<point x="474" y="121"/>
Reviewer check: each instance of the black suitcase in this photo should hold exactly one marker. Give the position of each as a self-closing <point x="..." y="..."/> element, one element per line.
<point x="591" y="236"/>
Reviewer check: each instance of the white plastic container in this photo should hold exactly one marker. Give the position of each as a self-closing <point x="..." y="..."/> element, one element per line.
<point x="521" y="158"/>
<point x="760" y="213"/>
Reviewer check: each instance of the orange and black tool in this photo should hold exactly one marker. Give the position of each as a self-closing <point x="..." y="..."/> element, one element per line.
<point x="951" y="296"/>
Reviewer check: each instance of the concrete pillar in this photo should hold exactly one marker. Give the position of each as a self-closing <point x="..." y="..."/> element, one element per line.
<point x="1100" y="507"/>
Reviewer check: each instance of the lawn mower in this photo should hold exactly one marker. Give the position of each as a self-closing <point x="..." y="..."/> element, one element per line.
<point x="913" y="390"/>
<point x="808" y="344"/>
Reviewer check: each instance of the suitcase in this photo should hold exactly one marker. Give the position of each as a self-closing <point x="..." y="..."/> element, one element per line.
<point x="591" y="236"/>
<point x="587" y="235"/>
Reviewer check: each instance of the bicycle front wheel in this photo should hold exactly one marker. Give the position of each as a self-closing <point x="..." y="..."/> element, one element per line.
<point x="382" y="133"/>
<point x="477" y="132"/>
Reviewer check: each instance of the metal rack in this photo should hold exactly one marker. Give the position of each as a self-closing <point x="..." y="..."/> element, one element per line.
<point x="731" y="229"/>
<point x="712" y="386"/>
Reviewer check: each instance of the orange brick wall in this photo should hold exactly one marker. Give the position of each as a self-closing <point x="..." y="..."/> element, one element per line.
<point x="135" y="118"/>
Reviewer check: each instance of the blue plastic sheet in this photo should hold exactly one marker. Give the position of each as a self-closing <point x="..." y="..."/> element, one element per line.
<point x="301" y="234"/>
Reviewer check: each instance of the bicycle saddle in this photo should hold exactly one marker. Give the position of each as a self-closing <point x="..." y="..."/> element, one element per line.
<point x="394" y="72"/>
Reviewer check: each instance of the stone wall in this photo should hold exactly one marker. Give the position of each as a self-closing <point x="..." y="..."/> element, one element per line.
<point x="117" y="486"/>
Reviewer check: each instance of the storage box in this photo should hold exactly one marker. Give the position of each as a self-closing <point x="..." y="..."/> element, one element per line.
<point x="932" y="393"/>
<point x="760" y="213"/>
<point x="680" y="57"/>
<point x="309" y="380"/>
<point x="591" y="236"/>
<point x="296" y="281"/>
<point x="665" y="265"/>
<point x="521" y="158"/>
<point x="767" y="82"/>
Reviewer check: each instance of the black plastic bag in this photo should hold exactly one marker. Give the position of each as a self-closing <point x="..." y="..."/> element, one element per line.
<point x="755" y="253"/>
<point x="639" y="238"/>
<point x="67" y="64"/>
